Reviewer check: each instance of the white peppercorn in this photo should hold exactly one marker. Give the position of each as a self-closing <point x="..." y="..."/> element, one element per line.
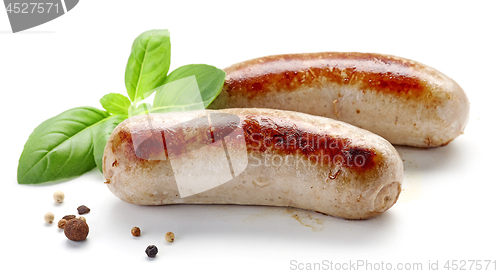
<point x="170" y="237"/>
<point x="59" y="196"/>
<point x="49" y="217"/>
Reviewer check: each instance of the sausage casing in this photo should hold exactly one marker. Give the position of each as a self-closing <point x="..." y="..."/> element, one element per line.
<point x="404" y="101"/>
<point x="277" y="158"/>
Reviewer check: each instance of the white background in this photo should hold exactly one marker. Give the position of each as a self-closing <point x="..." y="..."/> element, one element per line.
<point x="448" y="209"/>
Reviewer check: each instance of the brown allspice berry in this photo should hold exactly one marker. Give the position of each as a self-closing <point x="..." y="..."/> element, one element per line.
<point x="76" y="230"/>
<point x="61" y="223"/>
<point x="136" y="232"/>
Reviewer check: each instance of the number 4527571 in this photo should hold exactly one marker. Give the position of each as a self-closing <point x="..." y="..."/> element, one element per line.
<point x="33" y="7"/>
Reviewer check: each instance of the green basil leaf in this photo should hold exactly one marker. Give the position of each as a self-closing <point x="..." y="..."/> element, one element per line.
<point x="179" y="95"/>
<point x="101" y="137"/>
<point x="148" y="63"/>
<point x="140" y="109"/>
<point x="115" y="103"/>
<point x="209" y="78"/>
<point x="60" y="147"/>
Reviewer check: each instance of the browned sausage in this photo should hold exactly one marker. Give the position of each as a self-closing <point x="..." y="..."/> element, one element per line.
<point x="404" y="101"/>
<point x="253" y="156"/>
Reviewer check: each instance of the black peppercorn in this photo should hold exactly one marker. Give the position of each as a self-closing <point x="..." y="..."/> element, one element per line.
<point x="151" y="251"/>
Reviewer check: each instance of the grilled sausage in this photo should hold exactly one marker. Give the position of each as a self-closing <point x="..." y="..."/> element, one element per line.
<point x="404" y="101"/>
<point x="252" y="157"/>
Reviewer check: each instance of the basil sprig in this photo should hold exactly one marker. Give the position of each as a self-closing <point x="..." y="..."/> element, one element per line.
<point x="148" y="63"/>
<point x="73" y="142"/>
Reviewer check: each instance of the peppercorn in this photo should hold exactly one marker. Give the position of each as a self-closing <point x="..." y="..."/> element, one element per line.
<point x="136" y="231"/>
<point x="82" y="218"/>
<point x="76" y="230"/>
<point x="61" y="223"/>
<point x="58" y="196"/>
<point x="48" y="217"/>
<point x="151" y="251"/>
<point x="83" y="210"/>
<point x="68" y="217"/>
<point x="170" y="237"/>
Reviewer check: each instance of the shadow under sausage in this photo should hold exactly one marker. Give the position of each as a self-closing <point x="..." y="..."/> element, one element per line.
<point x="452" y="156"/>
<point x="267" y="224"/>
